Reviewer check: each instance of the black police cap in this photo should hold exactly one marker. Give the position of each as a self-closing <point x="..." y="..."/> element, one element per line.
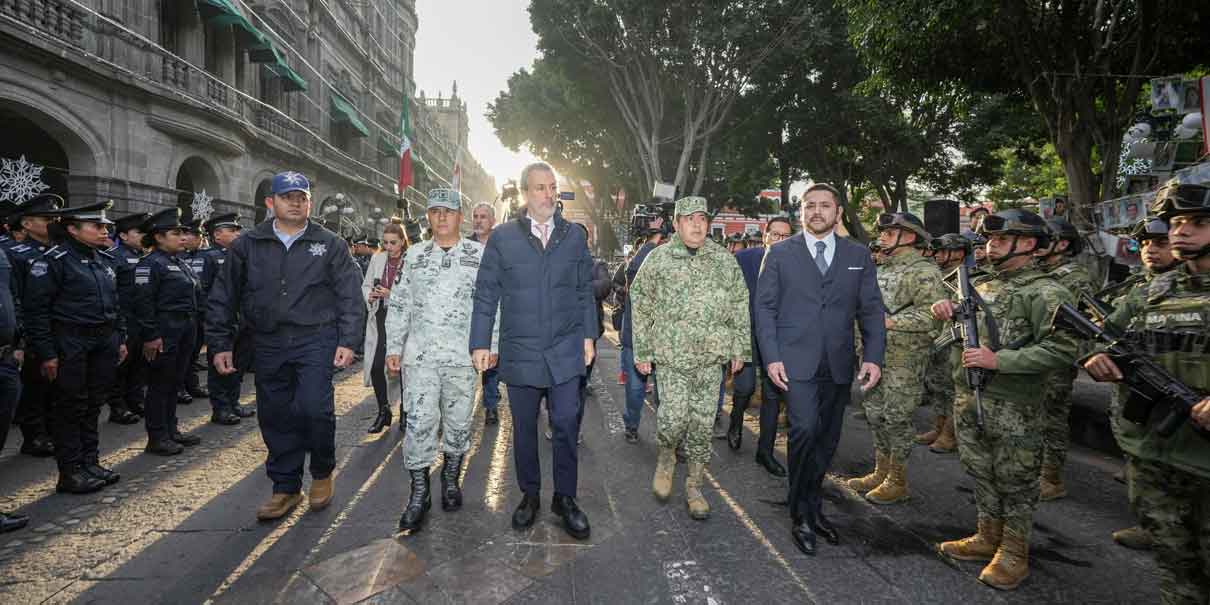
<point x="218" y="221"/>
<point x="45" y="204"/>
<point x="90" y="213"/>
<point x="164" y="220"/>
<point x="131" y="221"/>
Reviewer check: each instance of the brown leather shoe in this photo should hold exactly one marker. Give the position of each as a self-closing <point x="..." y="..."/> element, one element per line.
<point x="278" y="506"/>
<point x="980" y="547"/>
<point x="321" y="493"/>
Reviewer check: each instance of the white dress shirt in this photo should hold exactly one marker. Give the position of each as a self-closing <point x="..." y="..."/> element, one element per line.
<point x="829" y="252"/>
<point x="537" y="231"/>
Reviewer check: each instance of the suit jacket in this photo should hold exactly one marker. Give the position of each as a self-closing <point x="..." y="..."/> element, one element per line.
<point x="801" y="316"/>
<point x="545" y="300"/>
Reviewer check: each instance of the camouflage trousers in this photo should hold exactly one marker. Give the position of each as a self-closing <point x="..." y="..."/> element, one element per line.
<point x="1175" y="507"/>
<point x="437" y="398"/>
<point x="889" y="405"/>
<point x="688" y="401"/>
<point x="1004" y="459"/>
<point x="1057" y="401"/>
<point x="939" y="383"/>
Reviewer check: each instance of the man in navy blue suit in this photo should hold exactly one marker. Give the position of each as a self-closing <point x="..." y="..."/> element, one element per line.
<point x="538" y="269"/>
<point x="810" y="291"/>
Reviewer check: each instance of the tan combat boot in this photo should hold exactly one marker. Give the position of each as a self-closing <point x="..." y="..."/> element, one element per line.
<point x="947" y="441"/>
<point x="1051" y="486"/>
<point x="278" y="506"/>
<point x="665" y="466"/>
<point x="931" y="435"/>
<point x="1135" y="537"/>
<point x="699" y="509"/>
<point x="321" y="493"/>
<point x="892" y="489"/>
<point x="1010" y="566"/>
<point x="874" y="479"/>
<point x="980" y="547"/>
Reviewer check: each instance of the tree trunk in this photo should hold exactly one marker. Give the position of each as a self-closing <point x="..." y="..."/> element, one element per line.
<point x="1073" y="143"/>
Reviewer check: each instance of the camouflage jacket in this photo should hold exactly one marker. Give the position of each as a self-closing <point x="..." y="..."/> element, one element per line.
<point x="690" y="310"/>
<point x="1023" y="303"/>
<point x="1073" y="276"/>
<point x="910" y="284"/>
<point x="430" y="305"/>
<point x="1167" y="317"/>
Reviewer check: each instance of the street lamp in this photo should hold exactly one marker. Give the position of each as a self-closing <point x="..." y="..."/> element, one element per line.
<point x="336" y="208"/>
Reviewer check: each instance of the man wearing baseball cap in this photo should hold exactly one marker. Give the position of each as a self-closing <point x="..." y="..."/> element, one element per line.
<point x="293" y="283"/>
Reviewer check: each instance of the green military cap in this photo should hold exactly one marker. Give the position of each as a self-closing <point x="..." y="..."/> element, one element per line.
<point x="688" y="205"/>
<point x="445" y="198"/>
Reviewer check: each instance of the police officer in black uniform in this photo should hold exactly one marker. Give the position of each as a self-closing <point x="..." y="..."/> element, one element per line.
<point x="33" y="218"/>
<point x="167" y="295"/>
<point x="73" y="325"/>
<point x="224" y="388"/>
<point x="193" y="255"/>
<point x="126" y="398"/>
<point x="10" y="370"/>
<point x="295" y="284"/>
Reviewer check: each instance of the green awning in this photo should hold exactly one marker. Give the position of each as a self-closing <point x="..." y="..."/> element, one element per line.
<point x="387" y="147"/>
<point x="214" y="9"/>
<point x="344" y="113"/>
<point x="223" y="12"/>
<point x="290" y="80"/>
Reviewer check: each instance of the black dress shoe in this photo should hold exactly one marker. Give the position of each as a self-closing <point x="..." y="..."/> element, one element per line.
<point x="224" y="417"/>
<point x="381" y="421"/>
<point x="184" y="398"/>
<point x="12" y="522"/>
<point x="184" y="439"/>
<point x="575" y="522"/>
<point x="163" y="447"/>
<point x="136" y="409"/>
<point x="735" y="434"/>
<point x="243" y="411"/>
<point x="199" y="393"/>
<point x="527" y="511"/>
<point x="122" y="416"/>
<point x="804" y="537"/>
<point x="102" y="473"/>
<point x="825" y="530"/>
<point x="491" y="417"/>
<point x="38" y="447"/>
<point x="771" y="464"/>
<point x="75" y="480"/>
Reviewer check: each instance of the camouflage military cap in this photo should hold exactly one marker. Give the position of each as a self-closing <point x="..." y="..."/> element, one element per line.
<point x="688" y="205"/>
<point x="444" y="198"/>
<point x="950" y="241"/>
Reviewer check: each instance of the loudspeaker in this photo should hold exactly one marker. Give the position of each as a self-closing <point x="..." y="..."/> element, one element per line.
<point x="941" y="217"/>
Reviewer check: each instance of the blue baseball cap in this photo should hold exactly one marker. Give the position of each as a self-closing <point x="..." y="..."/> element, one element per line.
<point x="285" y="182"/>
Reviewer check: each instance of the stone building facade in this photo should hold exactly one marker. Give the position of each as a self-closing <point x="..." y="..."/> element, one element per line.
<point x="150" y="103"/>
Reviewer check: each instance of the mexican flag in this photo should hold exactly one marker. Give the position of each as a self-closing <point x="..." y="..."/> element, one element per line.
<point x="405" y="150"/>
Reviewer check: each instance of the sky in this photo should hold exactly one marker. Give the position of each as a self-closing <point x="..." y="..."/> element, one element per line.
<point x="479" y="43"/>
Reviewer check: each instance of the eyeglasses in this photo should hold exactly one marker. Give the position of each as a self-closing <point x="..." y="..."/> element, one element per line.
<point x="773" y="235"/>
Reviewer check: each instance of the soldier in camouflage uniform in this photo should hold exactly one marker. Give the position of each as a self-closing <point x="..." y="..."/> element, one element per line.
<point x="1005" y="456"/>
<point x="949" y="251"/>
<point x="430" y="310"/>
<point x="1060" y="262"/>
<point x="1169" y="477"/>
<point x="1151" y="236"/>
<point x="910" y="283"/>
<point x="690" y="314"/>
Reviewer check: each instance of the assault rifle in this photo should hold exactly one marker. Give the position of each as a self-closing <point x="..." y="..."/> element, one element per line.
<point x="1096" y="307"/>
<point x="966" y="326"/>
<point x="1149" y="383"/>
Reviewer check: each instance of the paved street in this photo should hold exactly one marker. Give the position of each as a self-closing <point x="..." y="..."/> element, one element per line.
<point x="183" y="529"/>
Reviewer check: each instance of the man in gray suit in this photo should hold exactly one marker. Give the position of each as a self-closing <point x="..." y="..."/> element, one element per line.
<point x="810" y="290"/>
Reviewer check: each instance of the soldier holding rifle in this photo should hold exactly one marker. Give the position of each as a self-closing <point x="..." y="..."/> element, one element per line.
<point x="1170" y="474"/>
<point x="1015" y="304"/>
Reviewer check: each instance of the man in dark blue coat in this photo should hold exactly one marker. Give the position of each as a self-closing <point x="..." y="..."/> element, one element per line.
<point x="294" y="283"/>
<point x="636" y="381"/>
<point x="811" y="289"/>
<point x="745" y="381"/>
<point x="537" y="270"/>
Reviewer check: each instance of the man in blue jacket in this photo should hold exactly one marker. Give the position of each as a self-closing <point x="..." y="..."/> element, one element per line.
<point x="293" y="282"/>
<point x="636" y="381"/>
<point x="537" y="268"/>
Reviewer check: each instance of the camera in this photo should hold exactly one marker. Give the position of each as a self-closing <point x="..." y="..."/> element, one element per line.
<point x="644" y="219"/>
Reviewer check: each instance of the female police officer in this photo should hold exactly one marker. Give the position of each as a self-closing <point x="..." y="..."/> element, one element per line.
<point x="73" y="325"/>
<point x="166" y="303"/>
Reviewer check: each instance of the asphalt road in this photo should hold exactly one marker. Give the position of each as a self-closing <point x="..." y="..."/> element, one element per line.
<point x="183" y="529"/>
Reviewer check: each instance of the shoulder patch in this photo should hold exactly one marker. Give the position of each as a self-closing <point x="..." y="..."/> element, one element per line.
<point x="105" y="253"/>
<point x="21" y="248"/>
<point x="39" y="268"/>
<point x="56" y="253"/>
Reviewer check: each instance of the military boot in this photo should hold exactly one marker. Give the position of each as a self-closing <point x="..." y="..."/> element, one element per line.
<point x="947" y="441"/>
<point x="875" y="478"/>
<point x="893" y="488"/>
<point x="665" y="467"/>
<point x="699" y="509"/>
<point x="980" y="547"/>
<point x="451" y="491"/>
<point x="1010" y="566"/>
<point x="928" y="437"/>
<point x="1135" y="538"/>
<point x="418" y="504"/>
<point x="1051" y="486"/>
